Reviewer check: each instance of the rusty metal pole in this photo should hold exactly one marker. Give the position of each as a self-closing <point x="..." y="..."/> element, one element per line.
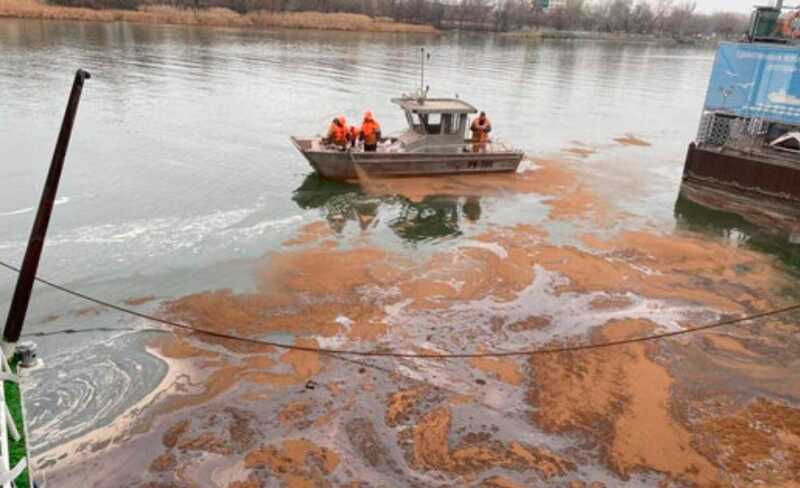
<point x="22" y="293"/>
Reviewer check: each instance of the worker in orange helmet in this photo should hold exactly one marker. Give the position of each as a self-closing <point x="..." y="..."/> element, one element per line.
<point x="338" y="133"/>
<point x="370" y="132"/>
<point x="481" y="127"/>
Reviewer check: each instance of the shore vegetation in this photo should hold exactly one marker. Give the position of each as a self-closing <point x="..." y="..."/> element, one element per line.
<point x="211" y="16"/>
<point x="676" y="20"/>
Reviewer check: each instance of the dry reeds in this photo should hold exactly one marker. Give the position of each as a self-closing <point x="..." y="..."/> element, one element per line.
<point x="332" y="21"/>
<point x="33" y="9"/>
<point x="217" y="17"/>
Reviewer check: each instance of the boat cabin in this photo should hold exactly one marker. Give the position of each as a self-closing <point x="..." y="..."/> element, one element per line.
<point x="436" y="124"/>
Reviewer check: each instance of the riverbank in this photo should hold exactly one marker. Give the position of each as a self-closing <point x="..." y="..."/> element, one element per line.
<point x="212" y="17"/>
<point x="607" y="36"/>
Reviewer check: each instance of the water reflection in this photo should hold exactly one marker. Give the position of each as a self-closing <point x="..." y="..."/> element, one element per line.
<point x="693" y="216"/>
<point x="432" y="218"/>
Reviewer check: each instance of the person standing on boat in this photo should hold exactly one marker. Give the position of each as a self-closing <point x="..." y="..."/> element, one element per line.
<point x="338" y="133"/>
<point x="480" y="132"/>
<point x="370" y="132"/>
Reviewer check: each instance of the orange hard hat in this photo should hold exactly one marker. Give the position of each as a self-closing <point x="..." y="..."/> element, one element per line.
<point x="367" y="115"/>
<point x="342" y="120"/>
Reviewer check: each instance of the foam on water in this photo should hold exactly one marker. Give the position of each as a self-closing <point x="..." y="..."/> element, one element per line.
<point x="58" y="201"/>
<point x="113" y="374"/>
<point x="570" y="315"/>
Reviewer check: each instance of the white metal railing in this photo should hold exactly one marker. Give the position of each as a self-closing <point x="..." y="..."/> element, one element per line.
<point x="8" y="428"/>
<point x="494" y="145"/>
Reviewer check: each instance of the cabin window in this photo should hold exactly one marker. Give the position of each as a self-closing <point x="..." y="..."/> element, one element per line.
<point x="418" y="122"/>
<point x="432" y="123"/>
<point x="452" y="124"/>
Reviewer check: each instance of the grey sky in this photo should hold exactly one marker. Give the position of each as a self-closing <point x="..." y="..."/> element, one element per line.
<point x="743" y="6"/>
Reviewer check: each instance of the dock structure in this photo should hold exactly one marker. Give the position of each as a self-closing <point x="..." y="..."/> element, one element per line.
<point x="13" y="472"/>
<point x="748" y="140"/>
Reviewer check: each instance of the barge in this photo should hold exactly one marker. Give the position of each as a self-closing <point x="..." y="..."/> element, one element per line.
<point x="748" y="140"/>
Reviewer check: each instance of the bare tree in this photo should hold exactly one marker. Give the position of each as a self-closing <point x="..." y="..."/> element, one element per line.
<point x="510" y="14"/>
<point x="642" y="18"/>
<point x="727" y="24"/>
<point x="475" y="12"/>
<point x="619" y="13"/>
<point x="570" y="16"/>
<point x="661" y="13"/>
<point x="680" y="17"/>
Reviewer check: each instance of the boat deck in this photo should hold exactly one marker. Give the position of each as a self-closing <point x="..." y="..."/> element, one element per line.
<point x="317" y="146"/>
<point x="776" y="156"/>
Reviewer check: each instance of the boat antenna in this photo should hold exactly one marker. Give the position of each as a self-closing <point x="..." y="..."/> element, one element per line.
<point x="423" y="90"/>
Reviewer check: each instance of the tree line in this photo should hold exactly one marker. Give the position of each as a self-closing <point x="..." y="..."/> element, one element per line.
<point x="654" y="17"/>
<point x="666" y="18"/>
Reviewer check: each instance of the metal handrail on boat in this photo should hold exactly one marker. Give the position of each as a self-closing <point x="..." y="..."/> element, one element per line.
<point x="491" y="146"/>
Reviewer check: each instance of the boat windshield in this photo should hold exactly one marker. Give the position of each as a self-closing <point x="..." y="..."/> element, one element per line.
<point x="427" y="123"/>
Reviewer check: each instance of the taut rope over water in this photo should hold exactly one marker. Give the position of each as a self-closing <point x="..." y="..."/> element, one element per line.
<point x="394" y="354"/>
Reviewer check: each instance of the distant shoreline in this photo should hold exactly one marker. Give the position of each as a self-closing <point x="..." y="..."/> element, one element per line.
<point x="211" y="17"/>
<point x="262" y="19"/>
<point x="606" y="36"/>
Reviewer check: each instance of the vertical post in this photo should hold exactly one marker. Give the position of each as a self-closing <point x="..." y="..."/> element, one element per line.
<point x="422" y="73"/>
<point x="779" y="4"/>
<point x="30" y="264"/>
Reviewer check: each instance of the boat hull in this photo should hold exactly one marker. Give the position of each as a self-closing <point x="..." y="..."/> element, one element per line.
<point x="770" y="181"/>
<point x="346" y="165"/>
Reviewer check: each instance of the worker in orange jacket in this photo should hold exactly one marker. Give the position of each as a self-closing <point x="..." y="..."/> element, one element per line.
<point x="338" y="133"/>
<point x="370" y="132"/>
<point x="481" y="127"/>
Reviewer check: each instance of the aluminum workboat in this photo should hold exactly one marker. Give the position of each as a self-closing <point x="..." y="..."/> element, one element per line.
<point x="434" y="143"/>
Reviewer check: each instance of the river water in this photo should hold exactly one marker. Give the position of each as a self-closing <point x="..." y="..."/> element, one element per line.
<point x="180" y="170"/>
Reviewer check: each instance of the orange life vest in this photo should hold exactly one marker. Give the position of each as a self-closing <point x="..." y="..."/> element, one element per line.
<point x="480" y="131"/>
<point x="369" y="131"/>
<point x="338" y="134"/>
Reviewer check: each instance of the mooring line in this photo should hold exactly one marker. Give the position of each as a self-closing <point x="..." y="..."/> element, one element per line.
<point x="89" y="330"/>
<point x="392" y="354"/>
